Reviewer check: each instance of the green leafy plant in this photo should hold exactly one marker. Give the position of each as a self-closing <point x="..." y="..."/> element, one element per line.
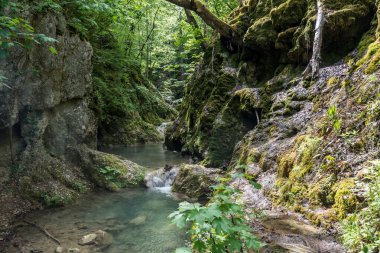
<point x="56" y="199"/>
<point x="333" y="116"/>
<point x="361" y="231"/>
<point x="110" y="174"/>
<point x="220" y="226"/>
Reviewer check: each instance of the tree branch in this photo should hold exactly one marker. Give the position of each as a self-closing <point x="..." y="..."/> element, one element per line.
<point x="208" y="17"/>
<point x="149" y="34"/>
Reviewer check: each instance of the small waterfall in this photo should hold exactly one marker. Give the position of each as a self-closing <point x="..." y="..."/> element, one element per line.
<point x="161" y="129"/>
<point x="162" y="179"/>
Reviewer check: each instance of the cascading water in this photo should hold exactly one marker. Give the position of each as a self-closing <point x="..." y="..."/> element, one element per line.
<point x="162" y="128"/>
<point x="162" y="179"/>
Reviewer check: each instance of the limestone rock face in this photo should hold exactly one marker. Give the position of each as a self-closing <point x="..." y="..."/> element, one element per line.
<point x="277" y="37"/>
<point x="45" y="111"/>
<point x="254" y="108"/>
<point x="47" y="131"/>
<point x="195" y="180"/>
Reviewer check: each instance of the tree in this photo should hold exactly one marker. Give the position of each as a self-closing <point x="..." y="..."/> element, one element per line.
<point x="315" y="61"/>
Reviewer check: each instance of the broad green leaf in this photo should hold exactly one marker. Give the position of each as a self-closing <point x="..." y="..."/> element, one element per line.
<point x="53" y="50"/>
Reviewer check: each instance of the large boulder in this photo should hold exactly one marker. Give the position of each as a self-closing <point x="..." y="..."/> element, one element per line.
<point x="110" y="171"/>
<point x="195" y="180"/>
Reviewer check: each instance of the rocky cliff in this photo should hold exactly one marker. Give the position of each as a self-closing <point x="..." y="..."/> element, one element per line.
<point x="47" y="131"/>
<point x="306" y="141"/>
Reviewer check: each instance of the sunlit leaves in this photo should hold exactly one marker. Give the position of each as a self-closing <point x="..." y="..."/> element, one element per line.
<point x="220" y="226"/>
<point x="17" y="31"/>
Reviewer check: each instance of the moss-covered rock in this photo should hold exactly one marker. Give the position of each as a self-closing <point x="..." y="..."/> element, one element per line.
<point x="195" y="181"/>
<point x="288" y="14"/>
<point x="50" y="181"/>
<point x="241" y="114"/>
<point x="296" y="155"/>
<point x="345" y="201"/>
<point x="261" y="35"/>
<point x="109" y="171"/>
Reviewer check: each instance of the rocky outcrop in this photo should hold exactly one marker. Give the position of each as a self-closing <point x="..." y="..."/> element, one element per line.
<point x="306" y="141"/>
<point x="229" y="92"/>
<point x="45" y="111"/>
<point x="47" y="131"/>
<point x="195" y="180"/>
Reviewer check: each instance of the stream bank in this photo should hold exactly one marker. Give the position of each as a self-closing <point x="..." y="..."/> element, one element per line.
<point x="135" y="219"/>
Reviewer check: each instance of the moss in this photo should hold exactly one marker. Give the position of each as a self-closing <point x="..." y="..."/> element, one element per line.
<point x="320" y="192"/>
<point x="59" y="198"/>
<point x="345" y="201"/>
<point x="289" y="192"/>
<point x="367" y="39"/>
<point x="288" y="14"/>
<point x="285" y="164"/>
<point x="112" y="173"/>
<point x="293" y="166"/>
<point x="264" y="162"/>
<point x="49" y="181"/>
<point x="374" y="63"/>
<point x="371" y="59"/>
<point x="333" y="81"/>
<point x="285" y="39"/>
<point x="261" y="35"/>
<point x="378" y="20"/>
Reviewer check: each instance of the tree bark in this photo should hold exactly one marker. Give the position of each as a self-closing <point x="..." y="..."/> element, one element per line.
<point x="208" y="17"/>
<point x="315" y="61"/>
<point x="193" y="22"/>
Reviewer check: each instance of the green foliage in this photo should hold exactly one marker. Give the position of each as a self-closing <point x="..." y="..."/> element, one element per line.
<point x="334" y="118"/>
<point x="56" y="199"/>
<point x="111" y="174"/>
<point x="16" y="31"/>
<point x="361" y="231"/>
<point x="221" y="225"/>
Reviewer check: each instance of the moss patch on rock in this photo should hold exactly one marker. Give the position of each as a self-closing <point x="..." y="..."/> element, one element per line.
<point x="111" y="172"/>
<point x="195" y="181"/>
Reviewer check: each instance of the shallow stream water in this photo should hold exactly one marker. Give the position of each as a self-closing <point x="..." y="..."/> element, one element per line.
<point x="136" y="218"/>
<point x="152" y="155"/>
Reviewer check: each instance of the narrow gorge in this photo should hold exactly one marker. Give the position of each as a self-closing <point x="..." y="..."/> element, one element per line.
<point x="260" y="118"/>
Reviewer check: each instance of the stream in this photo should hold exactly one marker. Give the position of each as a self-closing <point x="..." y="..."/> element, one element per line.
<point x="136" y="218"/>
<point x="152" y="156"/>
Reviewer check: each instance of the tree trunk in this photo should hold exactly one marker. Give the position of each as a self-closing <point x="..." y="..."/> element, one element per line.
<point x="315" y="61"/>
<point x="149" y="33"/>
<point x="208" y="17"/>
<point x="193" y="22"/>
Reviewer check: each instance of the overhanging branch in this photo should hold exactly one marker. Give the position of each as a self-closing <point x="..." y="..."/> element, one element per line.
<point x="207" y="16"/>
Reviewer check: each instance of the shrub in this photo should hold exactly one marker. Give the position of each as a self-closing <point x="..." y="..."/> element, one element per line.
<point x="220" y="226"/>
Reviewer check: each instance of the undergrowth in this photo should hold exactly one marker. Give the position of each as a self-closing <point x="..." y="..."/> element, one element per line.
<point x="361" y="231"/>
<point x="221" y="225"/>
